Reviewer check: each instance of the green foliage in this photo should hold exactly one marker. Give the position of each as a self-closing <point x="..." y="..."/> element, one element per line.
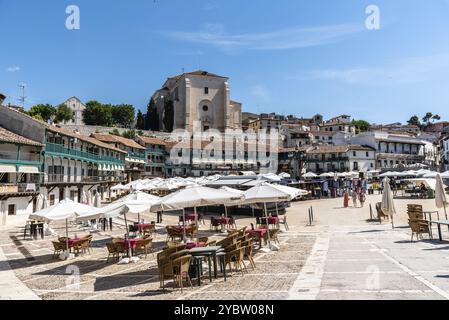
<point x="140" y="133"/>
<point x="361" y="125"/>
<point x="140" y="121"/>
<point x="169" y="115"/>
<point x="152" y="121"/>
<point x="63" y="113"/>
<point x="130" y="134"/>
<point x="42" y="112"/>
<point x="414" y="120"/>
<point x="123" y="115"/>
<point x="115" y="132"/>
<point x="97" y="114"/>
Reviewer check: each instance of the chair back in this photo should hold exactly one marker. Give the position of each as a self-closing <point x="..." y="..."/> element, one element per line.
<point x="181" y="264"/>
<point x="111" y="247"/>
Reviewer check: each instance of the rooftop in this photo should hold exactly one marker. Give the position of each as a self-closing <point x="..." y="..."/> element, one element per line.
<point x="201" y="73"/>
<point x="156" y="141"/>
<point x="109" y="138"/>
<point x="11" y="137"/>
<point x="338" y="149"/>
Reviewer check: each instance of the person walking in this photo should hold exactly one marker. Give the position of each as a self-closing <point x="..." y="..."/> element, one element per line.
<point x="354" y="198"/>
<point x="362" y="198"/>
<point x="345" y="199"/>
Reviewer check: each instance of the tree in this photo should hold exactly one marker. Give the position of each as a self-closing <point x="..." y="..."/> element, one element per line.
<point x="426" y="119"/>
<point x="361" y="125"/>
<point x="152" y="117"/>
<point x="140" y="121"/>
<point x="42" y="111"/>
<point x="97" y="114"/>
<point x="436" y="117"/>
<point x="130" y="134"/>
<point x="123" y="115"/>
<point x="169" y="115"/>
<point x="414" y="120"/>
<point x="63" y="113"/>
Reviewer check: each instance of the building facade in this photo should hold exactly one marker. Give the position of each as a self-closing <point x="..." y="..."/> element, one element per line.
<point x="197" y="97"/>
<point x="155" y="156"/>
<point x="77" y="107"/>
<point x="341" y="158"/>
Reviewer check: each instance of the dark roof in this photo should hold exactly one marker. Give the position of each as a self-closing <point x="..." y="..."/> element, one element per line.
<point x="197" y="73"/>
<point x="11" y="137"/>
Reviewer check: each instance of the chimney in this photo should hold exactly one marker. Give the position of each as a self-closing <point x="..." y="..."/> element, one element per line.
<point x="2" y="98"/>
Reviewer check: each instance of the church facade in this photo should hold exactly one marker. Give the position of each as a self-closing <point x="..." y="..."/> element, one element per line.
<point x="196" y="101"/>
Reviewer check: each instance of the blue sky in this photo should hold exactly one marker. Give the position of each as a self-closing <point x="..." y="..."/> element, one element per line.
<point x="289" y="56"/>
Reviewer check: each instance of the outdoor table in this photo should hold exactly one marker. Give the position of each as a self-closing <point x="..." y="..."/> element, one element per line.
<point x="439" y="223"/>
<point x="142" y="226"/>
<point x="209" y="252"/>
<point x="130" y="243"/>
<point x="430" y="215"/>
<point x="260" y="233"/>
<point x="73" y="242"/>
<point x="191" y="245"/>
<point x="181" y="228"/>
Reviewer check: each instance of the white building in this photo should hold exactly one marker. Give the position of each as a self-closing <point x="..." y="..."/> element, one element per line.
<point x="77" y="107"/>
<point x="327" y="158"/>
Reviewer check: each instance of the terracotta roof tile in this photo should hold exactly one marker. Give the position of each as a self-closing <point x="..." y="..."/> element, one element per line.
<point x="109" y="138"/>
<point x="11" y="137"/>
<point x="156" y="141"/>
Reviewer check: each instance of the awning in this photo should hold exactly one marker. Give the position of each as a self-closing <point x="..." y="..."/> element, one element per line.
<point x="7" y="168"/>
<point x="28" y="169"/>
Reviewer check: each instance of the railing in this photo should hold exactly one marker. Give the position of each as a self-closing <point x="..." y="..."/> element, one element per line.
<point x="83" y="155"/>
<point x="18" y="187"/>
<point x="137" y="155"/>
<point x="62" y="178"/>
<point x="336" y="159"/>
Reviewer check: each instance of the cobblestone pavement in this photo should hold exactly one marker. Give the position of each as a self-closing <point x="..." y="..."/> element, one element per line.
<point x="342" y="255"/>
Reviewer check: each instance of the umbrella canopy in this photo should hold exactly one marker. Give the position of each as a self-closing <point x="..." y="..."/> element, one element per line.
<point x="195" y="196"/>
<point x="65" y="209"/>
<point x="445" y="175"/>
<point x="232" y="190"/>
<point x="327" y="175"/>
<point x="264" y="193"/>
<point x="284" y="175"/>
<point x="84" y="197"/>
<point x="40" y="202"/>
<point x="431" y="174"/>
<point x="293" y="192"/>
<point x="389" y="174"/>
<point x="440" y="193"/>
<point x="119" y="187"/>
<point x="90" y="200"/>
<point x="387" y="199"/>
<point x="139" y="196"/>
<point x="309" y="175"/>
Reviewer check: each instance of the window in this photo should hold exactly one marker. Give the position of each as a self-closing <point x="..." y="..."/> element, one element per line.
<point x="367" y="154"/>
<point x="354" y="153"/>
<point x="52" y="199"/>
<point x="11" y="210"/>
<point x="356" y="166"/>
<point x="205" y="108"/>
<point x="206" y="90"/>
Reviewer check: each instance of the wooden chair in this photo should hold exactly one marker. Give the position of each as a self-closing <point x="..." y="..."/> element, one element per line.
<point x="149" y="230"/>
<point x="112" y="251"/>
<point x="380" y="214"/>
<point x="214" y="224"/>
<point x="232" y="223"/>
<point x="203" y="239"/>
<point x="235" y="257"/>
<point x="415" y="212"/>
<point x="274" y="235"/>
<point x="144" y="246"/>
<point x="181" y="267"/>
<point x="248" y="253"/>
<point x="419" y="227"/>
<point x="59" y="248"/>
<point x="211" y="243"/>
<point x="284" y="222"/>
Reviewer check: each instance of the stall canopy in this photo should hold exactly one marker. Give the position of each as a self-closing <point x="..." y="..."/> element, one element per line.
<point x="293" y="192"/>
<point x="429" y="183"/>
<point x="7" y="168"/>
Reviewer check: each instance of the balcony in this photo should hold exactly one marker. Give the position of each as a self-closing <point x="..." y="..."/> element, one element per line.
<point x="336" y="159"/>
<point x="18" y="188"/>
<point x="62" y="178"/>
<point x="60" y="150"/>
<point x="137" y="155"/>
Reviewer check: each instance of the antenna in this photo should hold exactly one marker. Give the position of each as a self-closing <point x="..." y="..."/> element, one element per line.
<point x="22" y="98"/>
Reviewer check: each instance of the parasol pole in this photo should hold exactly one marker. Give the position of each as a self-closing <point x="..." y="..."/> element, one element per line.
<point x="266" y="219"/>
<point x="445" y="214"/>
<point x="184" y="224"/>
<point x="127" y="237"/>
<point x="196" y="218"/>
<point x="67" y="234"/>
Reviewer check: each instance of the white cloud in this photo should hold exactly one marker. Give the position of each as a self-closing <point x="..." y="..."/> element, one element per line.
<point x="291" y="38"/>
<point x="13" y="69"/>
<point x="406" y="71"/>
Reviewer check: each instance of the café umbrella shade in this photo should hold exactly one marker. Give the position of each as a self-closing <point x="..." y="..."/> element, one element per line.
<point x="440" y="195"/>
<point x="388" y="206"/>
<point x="193" y="197"/>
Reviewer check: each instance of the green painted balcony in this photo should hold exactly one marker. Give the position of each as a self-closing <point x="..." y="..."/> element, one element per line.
<point x="137" y="155"/>
<point x="60" y="150"/>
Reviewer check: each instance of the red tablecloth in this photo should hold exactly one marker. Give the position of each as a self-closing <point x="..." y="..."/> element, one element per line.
<point x="142" y="226"/>
<point x="74" y="241"/>
<point x="273" y="220"/>
<point x="192" y="245"/>
<point x="191" y="217"/>
<point x="132" y="242"/>
<point x="181" y="228"/>
<point x="224" y="221"/>
<point x="259" y="232"/>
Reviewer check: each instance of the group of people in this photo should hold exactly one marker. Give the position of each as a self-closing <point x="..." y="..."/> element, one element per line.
<point x="357" y="195"/>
